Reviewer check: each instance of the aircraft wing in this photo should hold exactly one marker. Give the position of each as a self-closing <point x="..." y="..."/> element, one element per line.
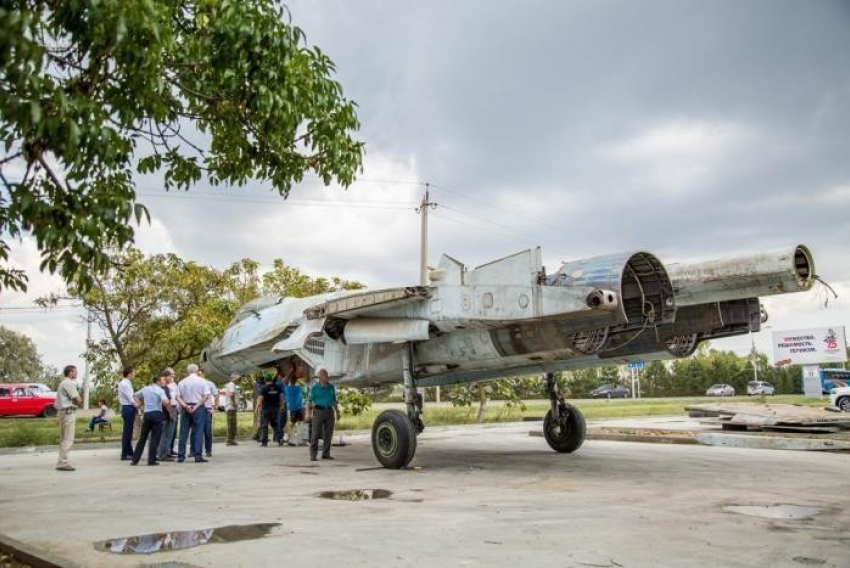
<point x="368" y="301"/>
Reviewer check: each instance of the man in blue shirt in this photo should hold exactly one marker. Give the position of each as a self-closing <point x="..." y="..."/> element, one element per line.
<point x="155" y="402"/>
<point x="294" y="394"/>
<point x="322" y="412"/>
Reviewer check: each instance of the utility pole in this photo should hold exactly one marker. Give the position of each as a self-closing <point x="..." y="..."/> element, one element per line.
<point x="423" y="249"/>
<point x="86" y="381"/>
<point x="423" y="238"/>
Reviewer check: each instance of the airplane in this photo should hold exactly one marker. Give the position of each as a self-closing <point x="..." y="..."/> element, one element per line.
<point x="507" y="318"/>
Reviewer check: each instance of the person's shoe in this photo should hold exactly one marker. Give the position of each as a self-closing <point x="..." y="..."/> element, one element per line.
<point x="201" y="460"/>
<point x="313" y="458"/>
<point x="327" y="457"/>
<point x="293" y="444"/>
<point x="125" y="458"/>
<point x="181" y="460"/>
<point x="266" y="445"/>
<point x="134" y="463"/>
<point x="65" y="468"/>
<point x="280" y="443"/>
<point x="172" y="455"/>
<point x="231" y="444"/>
<point x="166" y="459"/>
<point x="209" y="454"/>
<point x="154" y="463"/>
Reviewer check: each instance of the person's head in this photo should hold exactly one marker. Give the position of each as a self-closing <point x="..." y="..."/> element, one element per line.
<point x="129" y="372"/>
<point x="200" y="372"/>
<point x="322" y="373"/>
<point x="167" y="374"/>
<point x="158" y="380"/>
<point x="102" y="402"/>
<point x="192" y="369"/>
<point x="235" y="377"/>
<point x="70" y="372"/>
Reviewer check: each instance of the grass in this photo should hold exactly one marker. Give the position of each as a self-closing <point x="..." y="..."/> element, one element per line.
<point x="21" y="432"/>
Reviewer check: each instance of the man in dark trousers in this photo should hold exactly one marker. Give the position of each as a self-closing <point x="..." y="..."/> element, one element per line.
<point x="322" y="413"/>
<point x="268" y="404"/>
<point x="155" y="402"/>
<point x="129" y="407"/>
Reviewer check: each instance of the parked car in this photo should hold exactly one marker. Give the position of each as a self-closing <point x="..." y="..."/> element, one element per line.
<point x="760" y="387"/>
<point x="610" y="391"/>
<point x="720" y="389"/>
<point x="20" y="400"/>
<point x="41" y="388"/>
<point x="840" y="397"/>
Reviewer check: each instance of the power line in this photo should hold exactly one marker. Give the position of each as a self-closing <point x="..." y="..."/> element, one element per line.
<point x="488" y="230"/>
<point x="277" y="201"/>
<point x="536" y="220"/>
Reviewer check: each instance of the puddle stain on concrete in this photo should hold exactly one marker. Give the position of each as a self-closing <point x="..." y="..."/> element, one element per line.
<point x="181" y="540"/>
<point x="355" y="494"/>
<point x="778" y="511"/>
<point x="808" y="560"/>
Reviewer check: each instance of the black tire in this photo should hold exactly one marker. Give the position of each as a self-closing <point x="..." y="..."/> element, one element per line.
<point x="843" y="403"/>
<point x="48" y="412"/>
<point x="393" y="439"/>
<point x="571" y="438"/>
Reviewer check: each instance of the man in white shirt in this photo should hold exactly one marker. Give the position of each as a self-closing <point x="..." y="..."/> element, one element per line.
<point x="231" y="406"/>
<point x="192" y="394"/>
<point x="129" y="406"/>
<point x="166" y="444"/>
<point x="212" y="402"/>
<point x="67" y="399"/>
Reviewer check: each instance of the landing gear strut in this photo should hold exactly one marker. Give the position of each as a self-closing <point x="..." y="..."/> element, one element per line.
<point x="394" y="432"/>
<point x="564" y="427"/>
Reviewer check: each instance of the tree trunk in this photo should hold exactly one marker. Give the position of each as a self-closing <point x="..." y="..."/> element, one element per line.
<point x="482" y="402"/>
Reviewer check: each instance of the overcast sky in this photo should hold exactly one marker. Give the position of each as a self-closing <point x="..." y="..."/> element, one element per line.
<point x="689" y="129"/>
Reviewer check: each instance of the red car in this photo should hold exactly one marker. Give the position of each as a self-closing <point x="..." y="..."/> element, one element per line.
<point x="20" y="400"/>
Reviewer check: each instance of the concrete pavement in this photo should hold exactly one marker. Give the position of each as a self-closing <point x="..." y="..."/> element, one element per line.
<point x="477" y="495"/>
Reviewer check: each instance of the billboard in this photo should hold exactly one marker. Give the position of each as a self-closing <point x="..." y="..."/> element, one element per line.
<point x="810" y="346"/>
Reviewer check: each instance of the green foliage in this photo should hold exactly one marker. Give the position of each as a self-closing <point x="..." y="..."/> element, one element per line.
<point x="162" y="311"/>
<point x="353" y="401"/>
<point x="19" y="359"/>
<point x="92" y="90"/>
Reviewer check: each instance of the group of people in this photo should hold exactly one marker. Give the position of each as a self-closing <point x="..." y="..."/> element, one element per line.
<point x="164" y="403"/>
<point x="281" y="399"/>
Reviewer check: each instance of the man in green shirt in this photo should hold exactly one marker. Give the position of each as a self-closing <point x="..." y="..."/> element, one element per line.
<point x="322" y="413"/>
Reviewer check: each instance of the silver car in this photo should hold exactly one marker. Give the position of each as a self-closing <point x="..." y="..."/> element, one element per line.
<point x="720" y="389"/>
<point x="760" y="387"/>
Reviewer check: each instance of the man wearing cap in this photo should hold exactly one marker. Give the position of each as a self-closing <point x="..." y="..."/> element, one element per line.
<point x="322" y="412"/>
<point x="231" y="406"/>
<point x="155" y="401"/>
<point x="67" y="399"/>
<point x="191" y="396"/>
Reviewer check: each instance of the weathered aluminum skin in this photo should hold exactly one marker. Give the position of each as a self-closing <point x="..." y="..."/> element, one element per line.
<point x="761" y="274"/>
<point x="508" y="318"/>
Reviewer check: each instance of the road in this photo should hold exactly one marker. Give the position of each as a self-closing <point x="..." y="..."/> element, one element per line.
<point x="477" y="496"/>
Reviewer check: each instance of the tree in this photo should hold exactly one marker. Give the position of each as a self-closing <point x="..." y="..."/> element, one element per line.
<point x="19" y="358"/>
<point x="92" y="91"/>
<point x="151" y="325"/>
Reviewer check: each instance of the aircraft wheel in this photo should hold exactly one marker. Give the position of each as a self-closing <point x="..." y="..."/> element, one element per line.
<point x="393" y="439"/>
<point x="568" y="438"/>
